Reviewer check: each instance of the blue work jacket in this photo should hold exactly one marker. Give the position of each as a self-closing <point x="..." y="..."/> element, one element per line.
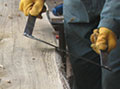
<point x="80" y="20"/>
<point x="84" y="11"/>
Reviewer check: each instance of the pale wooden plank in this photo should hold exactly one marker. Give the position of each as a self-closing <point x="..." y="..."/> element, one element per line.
<point x="27" y="64"/>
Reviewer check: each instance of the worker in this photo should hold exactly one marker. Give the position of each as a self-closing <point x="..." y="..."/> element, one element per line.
<point x="81" y="17"/>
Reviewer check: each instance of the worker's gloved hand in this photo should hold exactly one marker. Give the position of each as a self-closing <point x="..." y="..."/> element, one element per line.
<point x="32" y="7"/>
<point x="103" y="39"/>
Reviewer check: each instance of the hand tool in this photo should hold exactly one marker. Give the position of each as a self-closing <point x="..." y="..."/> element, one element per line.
<point x="28" y="33"/>
<point x="30" y="25"/>
<point x="104" y="58"/>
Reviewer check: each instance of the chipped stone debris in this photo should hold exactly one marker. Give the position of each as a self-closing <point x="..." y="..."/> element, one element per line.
<point x="10" y="17"/>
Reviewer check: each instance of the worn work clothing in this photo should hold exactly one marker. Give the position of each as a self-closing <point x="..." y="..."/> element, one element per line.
<point x="86" y="75"/>
<point x="81" y="17"/>
<point x="103" y="39"/>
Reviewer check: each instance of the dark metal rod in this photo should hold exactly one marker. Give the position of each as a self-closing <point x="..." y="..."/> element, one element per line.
<point x="68" y="53"/>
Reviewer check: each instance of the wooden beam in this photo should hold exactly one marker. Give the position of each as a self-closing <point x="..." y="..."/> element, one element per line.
<point x="25" y="63"/>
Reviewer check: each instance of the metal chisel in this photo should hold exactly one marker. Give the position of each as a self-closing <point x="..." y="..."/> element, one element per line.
<point x="103" y="59"/>
<point x="30" y="25"/>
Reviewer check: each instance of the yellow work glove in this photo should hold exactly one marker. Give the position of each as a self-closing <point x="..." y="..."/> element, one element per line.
<point x="103" y="39"/>
<point x="32" y="7"/>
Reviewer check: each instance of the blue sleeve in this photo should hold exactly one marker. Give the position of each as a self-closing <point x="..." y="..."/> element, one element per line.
<point x="110" y="16"/>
